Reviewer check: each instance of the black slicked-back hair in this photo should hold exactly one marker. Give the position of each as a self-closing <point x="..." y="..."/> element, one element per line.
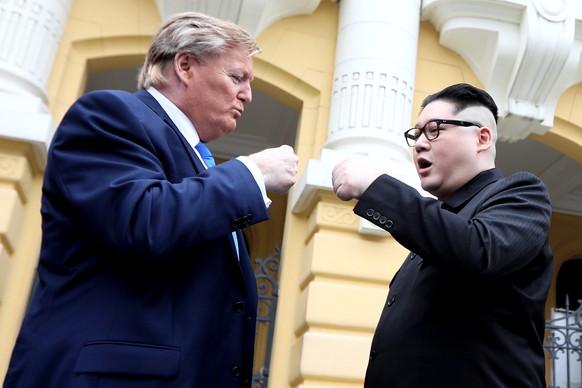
<point x="463" y="96"/>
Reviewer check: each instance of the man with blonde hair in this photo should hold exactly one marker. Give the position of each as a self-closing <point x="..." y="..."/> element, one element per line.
<point x="144" y="277"/>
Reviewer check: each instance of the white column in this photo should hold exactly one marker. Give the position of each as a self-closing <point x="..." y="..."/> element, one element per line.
<point x="374" y="77"/>
<point x="30" y="34"/>
<point x="372" y="95"/>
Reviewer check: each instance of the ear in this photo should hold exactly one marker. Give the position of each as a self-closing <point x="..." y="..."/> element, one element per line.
<point x="184" y="67"/>
<point x="484" y="139"/>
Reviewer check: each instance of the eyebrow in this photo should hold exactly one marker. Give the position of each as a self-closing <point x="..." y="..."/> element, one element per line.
<point x="417" y="126"/>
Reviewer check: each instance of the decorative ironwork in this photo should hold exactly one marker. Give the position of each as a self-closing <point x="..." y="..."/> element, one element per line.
<point x="267" y="274"/>
<point x="564" y="347"/>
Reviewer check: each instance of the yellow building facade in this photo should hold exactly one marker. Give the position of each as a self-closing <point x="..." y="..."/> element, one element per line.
<point x="334" y="271"/>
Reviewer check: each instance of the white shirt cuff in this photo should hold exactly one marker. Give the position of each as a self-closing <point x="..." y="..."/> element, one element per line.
<point x="254" y="169"/>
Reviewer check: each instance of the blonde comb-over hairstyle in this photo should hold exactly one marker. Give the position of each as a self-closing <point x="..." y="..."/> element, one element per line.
<point x="197" y="34"/>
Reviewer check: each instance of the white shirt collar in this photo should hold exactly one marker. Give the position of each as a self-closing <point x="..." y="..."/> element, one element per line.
<point x="177" y="116"/>
<point x="189" y="132"/>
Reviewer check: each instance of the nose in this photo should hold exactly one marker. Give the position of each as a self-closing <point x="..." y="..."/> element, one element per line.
<point x="422" y="142"/>
<point x="246" y="94"/>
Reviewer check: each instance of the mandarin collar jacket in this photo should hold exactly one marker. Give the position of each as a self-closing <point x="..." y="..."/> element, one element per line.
<point x="467" y="307"/>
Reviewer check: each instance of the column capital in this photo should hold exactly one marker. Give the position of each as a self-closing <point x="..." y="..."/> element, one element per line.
<point x="32" y="31"/>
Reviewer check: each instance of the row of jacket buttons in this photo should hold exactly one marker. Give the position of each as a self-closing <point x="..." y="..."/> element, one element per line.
<point x="373" y="352"/>
<point x="242" y="222"/>
<point x="374" y="215"/>
<point x="236" y="370"/>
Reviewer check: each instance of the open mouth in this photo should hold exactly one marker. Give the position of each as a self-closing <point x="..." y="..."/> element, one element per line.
<point x="423" y="165"/>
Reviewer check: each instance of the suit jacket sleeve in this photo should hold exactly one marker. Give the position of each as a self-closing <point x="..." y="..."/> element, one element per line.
<point x="128" y="179"/>
<point x="505" y="231"/>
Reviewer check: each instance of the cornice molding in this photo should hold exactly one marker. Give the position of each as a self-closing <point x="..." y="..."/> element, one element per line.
<point x="25" y="120"/>
<point x="525" y="52"/>
<point x="253" y="15"/>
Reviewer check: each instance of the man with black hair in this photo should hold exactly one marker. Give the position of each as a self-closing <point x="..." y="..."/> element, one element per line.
<point x="466" y="309"/>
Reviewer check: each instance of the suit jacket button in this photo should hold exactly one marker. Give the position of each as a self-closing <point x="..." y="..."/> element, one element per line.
<point x="370" y="212"/>
<point x="391" y="301"/>
<point x="373" y="355"/>
<point x="389" y="223"/>
<point x="238" y="307"/>
<point x="235" y="371"/>
<point x="376" y="216"/>
<point x="236" y="223"/>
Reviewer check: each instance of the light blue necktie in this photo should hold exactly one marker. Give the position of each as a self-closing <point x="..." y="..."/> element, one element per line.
<point x="206" y="155"/>
<point x="210" y="162"/>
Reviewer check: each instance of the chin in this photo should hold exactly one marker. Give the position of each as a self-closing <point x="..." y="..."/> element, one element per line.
<point x="426" y="186"/>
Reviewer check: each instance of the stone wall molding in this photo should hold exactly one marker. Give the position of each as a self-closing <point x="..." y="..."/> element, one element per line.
<point x="526" y="53"/>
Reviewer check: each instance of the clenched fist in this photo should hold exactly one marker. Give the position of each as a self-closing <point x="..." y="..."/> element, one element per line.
<point x="278" y="166"/>
<point x="350" y="178"/>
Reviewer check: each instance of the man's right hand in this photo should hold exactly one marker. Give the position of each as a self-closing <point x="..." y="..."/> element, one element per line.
<point x="350" y="178"/>
<point x="278" y="166"/>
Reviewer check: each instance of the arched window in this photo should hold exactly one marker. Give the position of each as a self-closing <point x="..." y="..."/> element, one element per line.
<point x="569" y="282"/>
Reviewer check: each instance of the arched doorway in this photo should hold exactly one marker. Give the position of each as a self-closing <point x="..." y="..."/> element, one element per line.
<point x="569" y="284"/>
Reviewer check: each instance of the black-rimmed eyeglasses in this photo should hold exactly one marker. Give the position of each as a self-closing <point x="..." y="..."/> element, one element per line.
<point x="432" y="129"/>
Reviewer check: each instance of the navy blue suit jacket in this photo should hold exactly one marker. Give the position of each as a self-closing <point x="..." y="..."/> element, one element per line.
<point x="138" y="280"/>
<point x="466" y="309"/>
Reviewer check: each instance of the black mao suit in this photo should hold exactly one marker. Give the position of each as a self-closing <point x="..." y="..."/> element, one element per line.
<point x="139" y="282"/>
<point x="466" y="309"/>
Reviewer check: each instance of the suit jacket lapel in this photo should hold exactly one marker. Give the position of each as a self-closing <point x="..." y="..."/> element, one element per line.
<point x="151" y="102"/>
